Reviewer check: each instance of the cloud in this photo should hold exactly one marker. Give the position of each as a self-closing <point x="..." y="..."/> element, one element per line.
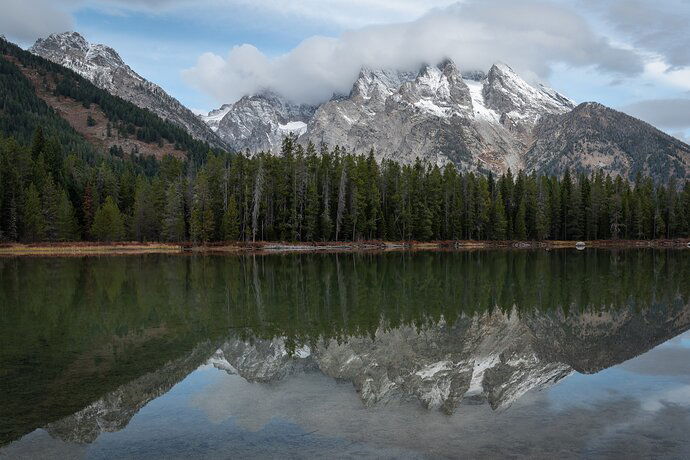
<point x="24" y="21"/>
<point x="659" y="27"/>
<point x="531" y="36"/>
<point x="673" y="114"/>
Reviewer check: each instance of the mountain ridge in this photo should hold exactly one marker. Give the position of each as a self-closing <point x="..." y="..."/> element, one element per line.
<point x="104" y="67"/>
<point x="478" y="121"/>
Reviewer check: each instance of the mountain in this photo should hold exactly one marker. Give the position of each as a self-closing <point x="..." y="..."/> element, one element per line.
<point x="475" y="120"/>
<point x="436" y="114"/>
<point x="490" y="358"/>
<point x="38" y="93"/>
<point x="593" y="136"/>
<point x="113" y="411"/>
<point x="102" y="66"/>
<point x="259" y="122"/>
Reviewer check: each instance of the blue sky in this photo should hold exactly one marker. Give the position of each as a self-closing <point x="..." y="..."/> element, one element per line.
<point x="629" y="54"/>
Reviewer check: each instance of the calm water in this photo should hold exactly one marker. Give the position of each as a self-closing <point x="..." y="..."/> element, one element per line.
<point x="486" y="354"/>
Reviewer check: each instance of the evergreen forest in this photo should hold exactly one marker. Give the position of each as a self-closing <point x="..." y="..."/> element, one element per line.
<point x="50" y="194"/>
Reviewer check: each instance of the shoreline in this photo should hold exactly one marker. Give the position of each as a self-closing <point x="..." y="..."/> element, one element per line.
<point x="84" y="248"/>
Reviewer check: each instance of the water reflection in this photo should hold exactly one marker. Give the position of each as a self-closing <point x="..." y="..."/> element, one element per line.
<point x="85" y="344"/>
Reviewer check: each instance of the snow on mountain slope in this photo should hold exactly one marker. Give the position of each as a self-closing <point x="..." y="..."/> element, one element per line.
<point x="436" y="114"/>
<point x="259" y="122"/>
<point x="215" y="116"/>
<point x="489" y="359"/>
<point x="102" y="66"/>
<point x="481" y="111"/>
<point x="476" y="121"/>
<point x="520" y="104"/>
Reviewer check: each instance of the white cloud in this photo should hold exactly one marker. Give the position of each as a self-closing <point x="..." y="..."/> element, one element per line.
<point x="348" y="13"/>
<point x="666" y="113"/>
<point x="659" y="27"/>
<point x="530" y="36"/>
<point x="679" y="396"/>
<point x="23" y="20"/>
<point x="657" y="69"/>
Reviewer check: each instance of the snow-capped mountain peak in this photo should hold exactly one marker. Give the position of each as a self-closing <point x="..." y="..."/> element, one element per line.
<point x="518" y="102"/>
<point x="379" y="83"/>
<point x="259" y="122"/>
<point x="437" y="113"/>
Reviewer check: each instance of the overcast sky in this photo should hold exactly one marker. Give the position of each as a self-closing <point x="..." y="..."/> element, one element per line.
<point x="632" y="55"/>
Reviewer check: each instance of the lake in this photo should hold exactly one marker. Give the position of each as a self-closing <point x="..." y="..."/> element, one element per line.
<point x="485" y="354"/>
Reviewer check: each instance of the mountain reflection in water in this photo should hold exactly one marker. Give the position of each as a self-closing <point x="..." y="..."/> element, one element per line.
<point x="86" y="343"/>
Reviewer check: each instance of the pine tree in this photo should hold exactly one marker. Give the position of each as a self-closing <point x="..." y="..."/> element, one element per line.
<point x="174" y="226"/>
<point x="50" y="201"/>
<point x="33" y="221"/>
<point x="144" y="225"/>
<point x="88" y="208"/>
<point x="311" y="216"/>
<point x="497" y="220"/>
<point x="483" y="208"/>
<point x="231" y="227"/>
<point x="541" y="223"/>
<point x="108" y="223"/>
<point x="67" y="219"/>
<point x="256" y="199"/>
<point x="616" y="212"/>
<point x="38" y="143"/>
<point x="520" y="229"/>
<point x="341" y="202"/>
<point x="202" y="221"/>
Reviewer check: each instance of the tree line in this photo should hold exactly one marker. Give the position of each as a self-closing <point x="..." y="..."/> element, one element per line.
<point x="305" y="195"/>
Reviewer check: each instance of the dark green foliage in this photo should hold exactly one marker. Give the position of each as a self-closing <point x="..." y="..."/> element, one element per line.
<point x="33" y="227"/>
<point x="108" y="223"/>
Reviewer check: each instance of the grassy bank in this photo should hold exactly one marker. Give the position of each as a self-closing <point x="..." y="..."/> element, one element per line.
<point x="263" y="247"/>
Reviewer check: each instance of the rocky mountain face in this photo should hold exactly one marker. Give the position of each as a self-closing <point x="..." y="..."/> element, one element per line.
<point x="593" y="136"/>
<point x="102" y="66"/>
<point x="491" y="358"/>
<point x="475" y="120"/>
<point x="438" y="114"/>
<point x="260" y="122"/>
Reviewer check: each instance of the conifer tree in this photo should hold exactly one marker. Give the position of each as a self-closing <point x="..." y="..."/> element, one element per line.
<point x="67" y="219"/>
<point x="497" y="220"/>
<point x="483" y="208"/>
<point x="88" y="207"/>
<point x="108" y="223"/>
<point x="174" y="227"/>
<point x="38" y="143"/>
<point x="33" y="221"/>
<point x="50" y="201"/>
<point x="144" y="221"/>
<point x="202" y="221"/>
<point x="312" y="211"/>
<point x="520" y="229"/>
<point x="231" y="227"/>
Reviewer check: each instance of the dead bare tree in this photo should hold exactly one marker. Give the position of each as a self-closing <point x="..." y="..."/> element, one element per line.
<point x="256" y="202"/>
<point x="341" y="201"/>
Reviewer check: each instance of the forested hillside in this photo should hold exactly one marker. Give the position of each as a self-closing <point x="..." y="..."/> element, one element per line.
<point x="50" y="194"/>
<point x="84" y="119"/>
